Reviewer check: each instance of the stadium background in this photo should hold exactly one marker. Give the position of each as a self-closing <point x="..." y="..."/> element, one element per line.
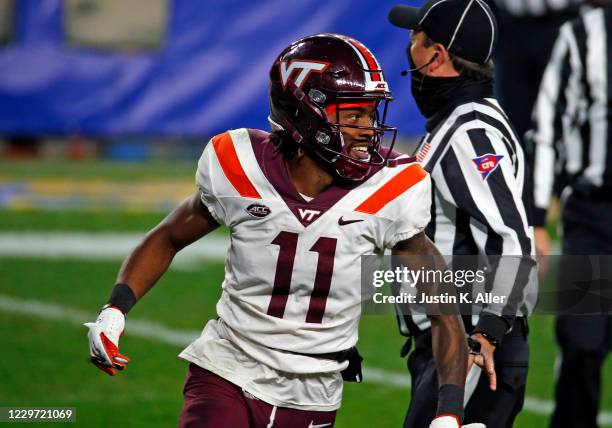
<point x="104" y="107"/>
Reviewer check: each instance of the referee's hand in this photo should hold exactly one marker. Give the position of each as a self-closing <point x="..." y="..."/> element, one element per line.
<point x="484" y="359"/>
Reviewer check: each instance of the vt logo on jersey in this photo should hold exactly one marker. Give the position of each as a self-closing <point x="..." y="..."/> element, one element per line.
<point x="486" y="164"/>
<point x="308" y="215"/>
<point x="302" y="67"/>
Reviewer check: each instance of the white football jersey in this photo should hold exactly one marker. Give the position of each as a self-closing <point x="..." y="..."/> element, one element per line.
<point x="292" y="276"/>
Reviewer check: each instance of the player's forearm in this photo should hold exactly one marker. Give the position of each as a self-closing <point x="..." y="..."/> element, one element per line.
<point x="449" y="349"/>
<point x="448" y="334"/>
<point x="151" y="258"/>
<point x="147" y="262"/>
<point x="450" y="354"/>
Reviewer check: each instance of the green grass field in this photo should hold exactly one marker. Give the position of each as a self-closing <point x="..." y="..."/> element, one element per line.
<point x="44" y="351"/>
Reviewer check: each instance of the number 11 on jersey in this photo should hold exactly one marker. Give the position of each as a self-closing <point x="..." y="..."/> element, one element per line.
<point x="326" y="247"/>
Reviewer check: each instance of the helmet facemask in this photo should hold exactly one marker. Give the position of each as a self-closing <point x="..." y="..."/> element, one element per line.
<point x="346" y="165"/>
<point x="322" y="138"/>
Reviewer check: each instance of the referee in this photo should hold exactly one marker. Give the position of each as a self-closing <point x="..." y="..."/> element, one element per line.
<point x="528" y="30"/>
<point x="573" y="155"/>
<point x="477" y="167"/>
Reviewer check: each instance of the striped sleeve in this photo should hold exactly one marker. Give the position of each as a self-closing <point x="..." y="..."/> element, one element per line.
<point x="483" y="184"/>
<point x="403" y="202"/>
<point x="222" y="173"/>
<point x="555" y="108"/>
<point x="479" y="173"/>
<point x="207" y="177"/>
<point x="414" y="214"/>
<point x="536" y="8"/>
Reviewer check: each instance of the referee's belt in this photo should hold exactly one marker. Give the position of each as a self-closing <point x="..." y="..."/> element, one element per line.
<point x="519" y="328"/>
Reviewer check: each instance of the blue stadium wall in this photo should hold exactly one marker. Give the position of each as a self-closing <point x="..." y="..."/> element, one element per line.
<point x="210" y="74"/>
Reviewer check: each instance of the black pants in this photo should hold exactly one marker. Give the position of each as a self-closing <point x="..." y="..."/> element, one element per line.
<point x="495" y="409"/>
<point x="585" y="340"/>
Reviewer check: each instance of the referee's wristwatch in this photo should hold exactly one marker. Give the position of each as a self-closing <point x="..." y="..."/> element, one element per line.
<point x="473" y="346"/>
<point x="489" y="338"/>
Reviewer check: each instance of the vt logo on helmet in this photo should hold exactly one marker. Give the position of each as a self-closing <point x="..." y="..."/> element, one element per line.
<point x="303" y="69"/>
<point x="311" y="82"/>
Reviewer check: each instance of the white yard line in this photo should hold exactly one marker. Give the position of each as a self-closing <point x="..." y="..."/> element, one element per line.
<point x="103" y="246"/>
<point x="144" y="329"/>
<point x="159" y="333"/>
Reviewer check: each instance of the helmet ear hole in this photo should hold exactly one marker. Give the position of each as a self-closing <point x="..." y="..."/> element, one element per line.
<point x="317" y="96"/>
<point x="322" y="138"/>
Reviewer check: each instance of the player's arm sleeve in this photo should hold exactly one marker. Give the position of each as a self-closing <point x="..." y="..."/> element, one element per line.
<point x="499" y="220"/>
<point x="208" y="180"/>
<point x="410" y="212"/>
<point x="551" y="115"/>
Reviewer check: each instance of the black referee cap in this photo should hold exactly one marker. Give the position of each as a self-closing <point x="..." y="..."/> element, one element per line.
<point x="466" y="28"/>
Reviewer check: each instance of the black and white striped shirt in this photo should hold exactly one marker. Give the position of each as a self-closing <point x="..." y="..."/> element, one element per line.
<point x="536" y="8"/>
<point x="477" y="167"/>
<point x="572" y="114"/>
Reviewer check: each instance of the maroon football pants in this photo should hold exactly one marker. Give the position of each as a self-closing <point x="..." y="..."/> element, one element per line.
<point x="212" y="402"/>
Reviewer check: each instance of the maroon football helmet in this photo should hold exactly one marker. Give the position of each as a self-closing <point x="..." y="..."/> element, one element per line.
<point x="325" y="73"/>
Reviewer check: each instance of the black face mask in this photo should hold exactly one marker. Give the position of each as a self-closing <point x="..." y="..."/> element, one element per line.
<point x="435" y="95"/>
<point x="431" y="93"/>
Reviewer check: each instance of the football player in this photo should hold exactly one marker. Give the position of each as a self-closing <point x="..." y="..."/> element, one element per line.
<point x="303" y="204"/>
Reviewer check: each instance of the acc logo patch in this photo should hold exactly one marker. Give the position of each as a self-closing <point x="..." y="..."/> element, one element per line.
<point x="486" y="164"/>
<point x="258" y="210"/>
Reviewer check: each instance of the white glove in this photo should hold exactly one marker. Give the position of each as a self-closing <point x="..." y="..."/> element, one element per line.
<point x="451" y="422"/>
<point x="104" y="337"/>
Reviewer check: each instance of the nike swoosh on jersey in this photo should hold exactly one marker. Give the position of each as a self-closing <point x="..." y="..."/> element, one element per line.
<point x="343" y="222"/>
<point x="319" y="425"/>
